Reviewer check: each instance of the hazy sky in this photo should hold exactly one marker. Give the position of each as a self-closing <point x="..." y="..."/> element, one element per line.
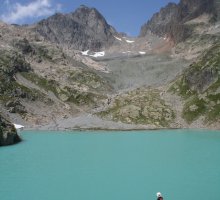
<point x="125" y="15"/>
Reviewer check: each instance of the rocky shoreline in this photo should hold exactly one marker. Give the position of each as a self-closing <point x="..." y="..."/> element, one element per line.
<point x="88" y="122"/>
<point x="8" y="133"/>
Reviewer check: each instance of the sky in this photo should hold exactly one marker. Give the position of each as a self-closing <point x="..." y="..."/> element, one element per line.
<point x="125" y="15"/>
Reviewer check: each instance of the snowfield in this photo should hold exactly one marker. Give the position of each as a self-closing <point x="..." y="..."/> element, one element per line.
<point x="142" y="52"/>
<point x="95" y="55"/>
<point x="98" y="54"/>
<point x="129" y="41"/>
<point x="85" y="53"/>
<point x="117" y="38"/>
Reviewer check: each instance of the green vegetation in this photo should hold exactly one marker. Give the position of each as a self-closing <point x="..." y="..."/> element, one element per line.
<point x="89" y="79"/>
<point x="213" y="114"/>
<point x="43" y="53"/>
<point x="12" y="62"/>
<point x="48" y="85"/>
<point x="140" y="107"/>
<point x="80" y="98"/>
<point x="199" y="87"/>
<point x="193" y="109"/>
<point x="66" y="94"/>
<point x="23" y="45"/>
<point x="181" y="88"/>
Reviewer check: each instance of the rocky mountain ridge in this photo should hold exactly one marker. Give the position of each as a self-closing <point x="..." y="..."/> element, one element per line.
<point x="83" y="29"/>
<point x="171" y="20"/>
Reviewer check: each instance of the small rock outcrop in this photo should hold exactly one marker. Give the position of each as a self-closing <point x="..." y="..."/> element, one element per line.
<point x="171" y="20"/>
<point x="83" y="29"/>
<point x="8" y="133"/>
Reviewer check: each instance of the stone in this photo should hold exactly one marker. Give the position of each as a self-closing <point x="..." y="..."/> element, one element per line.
<point x="193" y="108"/>
<point x="130" y="111"/>
<point x="8" y="133"/>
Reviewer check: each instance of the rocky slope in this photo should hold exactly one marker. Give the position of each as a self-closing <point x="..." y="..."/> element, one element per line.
<point x="192" y="100"/>
<point x="41" y="82"/>
<point x="199" y="88"/>
<point x="83" y="29"/>
<point x="141" y="106"/>
<point x="171" y="20"/>
<point x="8" y="134"/>
<point x="188" y="28"/>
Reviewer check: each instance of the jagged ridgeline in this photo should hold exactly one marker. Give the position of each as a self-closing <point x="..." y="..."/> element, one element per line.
<point x="83" y="29"/>
<point x="199" y="87"/>
<point x="171" y="20"/>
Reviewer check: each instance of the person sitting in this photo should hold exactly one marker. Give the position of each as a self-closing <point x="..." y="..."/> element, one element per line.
<point x="159" y="196"/>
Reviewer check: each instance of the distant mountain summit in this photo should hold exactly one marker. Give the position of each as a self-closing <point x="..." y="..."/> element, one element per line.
<point x="171" y="20"/>
<point x="83" y="29"/>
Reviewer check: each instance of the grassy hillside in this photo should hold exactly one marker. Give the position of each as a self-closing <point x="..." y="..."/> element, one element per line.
<point x="140" y="106"/>
<point x="199" y="87"/>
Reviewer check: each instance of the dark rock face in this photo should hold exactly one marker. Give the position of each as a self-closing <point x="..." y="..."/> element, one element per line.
<point x="201" y="80"/>
<point x="205" y="72"/>
<point x="199" y="87"/>
<point x="161" y="21"/>
<point x="11" y="62"/>
<point x="170" y="20"/>
<point x="24" y="46"/>
<point x="8" y="133"/>
<point x="83" y="29"/>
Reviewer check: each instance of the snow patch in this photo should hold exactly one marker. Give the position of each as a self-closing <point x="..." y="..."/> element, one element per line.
<point x="18" y="126"/>
<point x="98" y="54"/>
<point x="126" y="52"/>
<point x="130" y="41"/>
<point x="85" y="53"/>
<point x="142" y="52"/>
<point x="118" y="38"/>
<point x="95" y="55"/>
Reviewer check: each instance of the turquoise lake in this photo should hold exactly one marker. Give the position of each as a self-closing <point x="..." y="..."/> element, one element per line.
<point x="99" y="165"/>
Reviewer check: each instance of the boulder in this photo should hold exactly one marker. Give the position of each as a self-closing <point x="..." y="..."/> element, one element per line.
<point x="8" y="133"/>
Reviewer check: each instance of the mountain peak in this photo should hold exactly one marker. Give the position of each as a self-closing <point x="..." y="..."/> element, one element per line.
<point x="89" y="16"/>
<point x="84" y="8"/>
<point x="83" y="29"/>
<point x="170" y="20"/>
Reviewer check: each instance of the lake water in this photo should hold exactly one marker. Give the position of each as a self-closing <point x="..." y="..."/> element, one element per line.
<point x="181" y="164"/>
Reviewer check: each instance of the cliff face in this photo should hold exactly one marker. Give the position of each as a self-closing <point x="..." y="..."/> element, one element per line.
<point x="160" y="22"/>
<point x="8" y="134"/>
<point x="83" y="29"/>
<point x="199" y="87"/>
<point x="171" y="20"/>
